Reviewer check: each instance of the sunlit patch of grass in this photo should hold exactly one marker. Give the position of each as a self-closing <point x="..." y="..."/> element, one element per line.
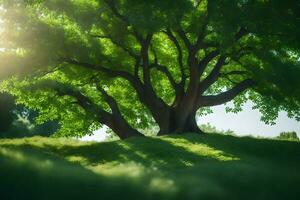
<point x="201" y="149"/>
<point x="130" y="169"/>
<point x="162" y="184"/>
<point x="77" y="159"/>
<point x="21" y="158"/>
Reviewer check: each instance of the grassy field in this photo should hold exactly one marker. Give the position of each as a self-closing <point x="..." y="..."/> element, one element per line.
<point x="178" y="167"/>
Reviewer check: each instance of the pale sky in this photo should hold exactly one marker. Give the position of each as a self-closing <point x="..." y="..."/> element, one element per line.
<point x="246" y="122"/>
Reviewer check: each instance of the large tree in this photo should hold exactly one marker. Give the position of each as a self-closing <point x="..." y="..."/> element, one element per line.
<point x="131" y="64"/>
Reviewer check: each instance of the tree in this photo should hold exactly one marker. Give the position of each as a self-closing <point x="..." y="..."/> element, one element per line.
<point x="292" y="135"/>
<point x="134" y="64"/>
<point x="6" y="116"/>
<point x="17" y="121"/>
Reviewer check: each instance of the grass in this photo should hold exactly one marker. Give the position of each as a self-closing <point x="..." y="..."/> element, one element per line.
<point x="175" y="167"/>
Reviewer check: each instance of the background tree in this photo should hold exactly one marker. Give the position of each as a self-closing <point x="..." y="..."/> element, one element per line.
<point x="134" y="64"/>
<point x="292" y="135"/>
<point x="17" y="121"/>
<point x="6" y="115"/>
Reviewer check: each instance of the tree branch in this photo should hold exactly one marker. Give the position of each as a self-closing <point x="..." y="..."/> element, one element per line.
<point x="236" y="73"/>
<point x="201" y="34"/>
<point x="64" y="89"/>
<point x="98" y="68"/>
<point x="113" y="120"/>
<point x="204" y="62"/>
<point x="183" y="36"/>
<point x="146" y="96"/>
<point x="224" y="97"/>
<point x="134" y="80"/>
<point x="145" y="61"/>
<point x="165" y="70"/>
<point x="180" y="56"/>
<point x="110" y="101"/>
<point x="213" y="76"/>
<point x="136" y="68"/>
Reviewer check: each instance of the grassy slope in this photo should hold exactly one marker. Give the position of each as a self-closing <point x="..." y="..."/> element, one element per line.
<point x="177" y="167"/>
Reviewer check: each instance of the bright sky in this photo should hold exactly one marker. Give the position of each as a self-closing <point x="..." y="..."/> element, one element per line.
<point x="246" y="122"/>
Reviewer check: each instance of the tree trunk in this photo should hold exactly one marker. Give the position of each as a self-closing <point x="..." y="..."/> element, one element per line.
<point x="182" y="115"/>
<point x="124" y="130"/>
<point x="179" y="125"/>
<point x="190" y="124"/>
<point x="119" y="125"/>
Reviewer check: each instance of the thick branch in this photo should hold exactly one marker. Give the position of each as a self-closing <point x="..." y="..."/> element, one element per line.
<point x="146" y="96"/>
<point x="165" y="71"/>
<point x="204" y="62"/>
<point x="185" y="39"/>
<point x="134" y="80"/>
<point x="145" y="61"/>
<point x="136" y="68"/>
<point x="224" y="97"/>
<point x="213" y="76"/>
<point x="201" y="34"/>
<point x="110" y="101"/>
<point x="180" y="56"/>
<point x="228" y="75"/>
<point x="113" y="120"/>
<point x="109" y="72"/>
<point x="81" y="99"/>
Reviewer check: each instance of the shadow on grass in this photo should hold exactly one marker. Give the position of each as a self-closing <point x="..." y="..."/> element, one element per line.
<point x="29" y="174"/>
<point x="176" y="167"/>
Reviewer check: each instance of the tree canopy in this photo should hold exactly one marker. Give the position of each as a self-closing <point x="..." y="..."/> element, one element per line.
<point x="132" y="64"/>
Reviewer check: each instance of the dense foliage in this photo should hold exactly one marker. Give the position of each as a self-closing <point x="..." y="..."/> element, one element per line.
<point x="133" y="64"/>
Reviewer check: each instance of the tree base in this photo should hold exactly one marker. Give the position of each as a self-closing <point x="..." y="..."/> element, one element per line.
<point x="181" y="131"/>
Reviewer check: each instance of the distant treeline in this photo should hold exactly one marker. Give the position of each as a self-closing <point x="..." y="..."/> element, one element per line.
<point x="208" y="128"/>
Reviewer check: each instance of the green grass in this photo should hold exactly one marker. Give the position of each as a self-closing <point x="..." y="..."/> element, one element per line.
<point x="178" y="167"/>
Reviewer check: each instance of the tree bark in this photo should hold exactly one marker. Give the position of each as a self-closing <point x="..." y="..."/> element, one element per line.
<point x="180" y="124"/>
<point x="190" y="124"/>
<point x="119" y="126"/>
